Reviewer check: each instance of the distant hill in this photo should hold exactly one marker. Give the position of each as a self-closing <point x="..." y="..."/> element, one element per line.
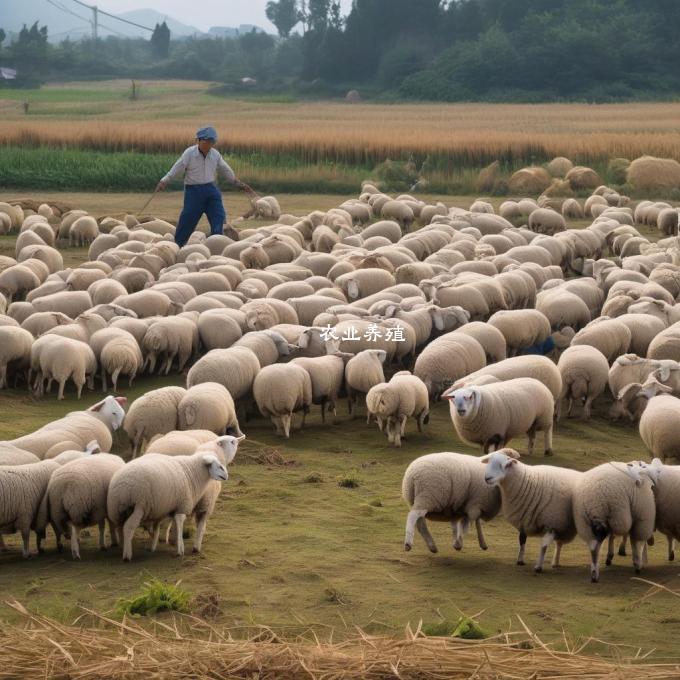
<point x="150" y="17"/>
<point x="231" y="32"/>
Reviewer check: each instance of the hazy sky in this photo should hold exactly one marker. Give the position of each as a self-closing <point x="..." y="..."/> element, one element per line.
<point x="204" y="13"/>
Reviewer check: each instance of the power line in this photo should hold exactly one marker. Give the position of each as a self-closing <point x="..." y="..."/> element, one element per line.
<point x="96" y="11"/>
<point x="67" y="10"/>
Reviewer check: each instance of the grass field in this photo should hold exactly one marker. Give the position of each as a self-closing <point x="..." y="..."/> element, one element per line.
<point x="304" y="146"/>
<point x="290" y="548"/>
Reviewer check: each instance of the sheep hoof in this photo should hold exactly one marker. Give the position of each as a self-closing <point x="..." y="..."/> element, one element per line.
<point x="671" y="557"/>
<point x="195" y="551"/>
<point x="407" y="547"/>
<point x="127" y="559"/>
<point x="594" y="578"/>
<point x="538" y="570"/>
<point x="609" y="560"/>
<point x="457" y="546"/>
<point x="102" y="548"/>
<point x="638" y="570"/>
<point x="520" y="563"/>
<point x="548" y="452"/>
<point x="622" y="552"/>
<point x="434" y="549"/>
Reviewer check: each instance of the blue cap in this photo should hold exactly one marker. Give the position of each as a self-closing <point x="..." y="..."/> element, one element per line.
<point x="207" y="132"/>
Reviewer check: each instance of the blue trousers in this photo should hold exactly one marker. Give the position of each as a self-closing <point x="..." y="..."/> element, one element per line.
<point x="199" y="199"/>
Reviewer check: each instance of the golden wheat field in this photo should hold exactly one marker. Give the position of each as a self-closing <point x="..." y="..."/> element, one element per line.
<point x="98" y="117"/>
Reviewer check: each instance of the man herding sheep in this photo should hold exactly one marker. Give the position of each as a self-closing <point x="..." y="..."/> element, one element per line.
<point x="200" y="164"/>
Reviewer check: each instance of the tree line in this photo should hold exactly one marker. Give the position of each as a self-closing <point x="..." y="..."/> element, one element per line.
<point x="455" y="50"/>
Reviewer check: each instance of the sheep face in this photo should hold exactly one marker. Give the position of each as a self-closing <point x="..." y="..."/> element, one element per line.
<point x="497" y="467"/>
<point x="653" y="470"/>
<point x="229" y="445"/>
<point x="216" y="470"/>
<point x="112" y="410"/>
<point x="465" y="401"/>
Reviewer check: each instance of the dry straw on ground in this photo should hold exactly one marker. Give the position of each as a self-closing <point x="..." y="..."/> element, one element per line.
<point x="98" y="647"/>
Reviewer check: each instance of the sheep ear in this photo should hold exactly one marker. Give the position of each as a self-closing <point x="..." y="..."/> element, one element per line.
<point x="391" y="310"/>
<point x="241" y="438"/>
<point x="664" y="373"/>
<point x="485" y="460"/>
<point x="511" y="453"/>
<point x="121" y="400"/>
<point x="510" y="462"/>
<point x="209" y="458"/>
<point x="97" y="406"/>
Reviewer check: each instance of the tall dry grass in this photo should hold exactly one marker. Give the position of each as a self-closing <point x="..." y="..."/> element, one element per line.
<point x="469" y="135"/>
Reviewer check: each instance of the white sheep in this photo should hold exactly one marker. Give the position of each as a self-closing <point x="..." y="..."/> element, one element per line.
<point x="404" y="396"/>
<point x="610" y="336"/>
<point x="609" y="501"/>
<point x="63" y="359"/>
<point x="491" y="415"/>
<point x="76" y="498"/>
<point x="537" y="500"/>
<point x="208" y="406"/>
<point x="153" y="413"/>
<point x="15" y="350"/>
<point x="362" y="372"/>
<point x="659" y="428"/>
<point x="327" y="375"/>
<point x="279" y="391"/>
<point x="521" y="328"/>
<point x="448" y="487"/>
<point x="153" y="487"/>
<point x="584" y="372"/>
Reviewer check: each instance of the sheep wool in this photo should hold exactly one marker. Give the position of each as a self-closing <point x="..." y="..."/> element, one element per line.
<point x="208" y="406"/>
<point x="584" y="371"/>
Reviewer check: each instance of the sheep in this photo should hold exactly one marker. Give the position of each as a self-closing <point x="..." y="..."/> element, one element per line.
<point x="169" y="338"/>
<point x="491" y="415"/>
<point x="208" y="406"/>
<point x="83" y="231"/>
<point x="399" y="211"/>
<point x="235" y="368"/>
<point x="540" y="368"/>
<point x="15" y="350"/>
<point x="643" y="329"/>
<point x="62" y="359"/>
<point x="537" y="500"/>
<point x="362" y="372"/>
<point x="658" y="428"/>
<point x="546" y="221"/>
<point x="80" y="427"/>
<point x="280" y="390"/>
<point x="447" y="487"/>
<point x="179" y="442"/>
<point x="447" y="359"/>
<point x="153" y="487"/>
<point x="16" y="281"/>
<point x="364" y="282"/>
<point x="153" y="413"/>
<point x="666" y="481"/>
<point x="10" y="455"/>
<point x="327" y="375"/>
<point x="268" y="346"/>
<point x="563" y="308"/>
<point x="584" y="372"/>
<point x="609" y="502"/>
<point x="521" y="328"/>
<point x="149" y="302"/>
<point x="22" y="488"/>
<point x="120" y="355"/>
<point x="76" y="498"/>
<point x="71" y="303"/>
<point x="610" y="336"/>
<point x="404" y="396"/>
<point x="489" y="337"/>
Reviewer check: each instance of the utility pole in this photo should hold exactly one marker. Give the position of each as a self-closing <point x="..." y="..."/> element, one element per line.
<point x="95" y="17"/>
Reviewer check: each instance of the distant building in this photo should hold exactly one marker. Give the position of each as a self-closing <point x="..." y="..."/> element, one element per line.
<point x="7" y="73"/>
<point x="232" y="32"/>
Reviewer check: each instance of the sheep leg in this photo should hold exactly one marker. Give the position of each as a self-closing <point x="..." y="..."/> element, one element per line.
<point x="25" y="536"/>
<point x="201" y="523"/>
<point x="3" y="376"/>
<point x="179" y="523"/>
<point x="636" y="550"/>
<point x="645" y="557"/>
<point x="3" y="547"/>
<point x="114" y="534"/>
<point x="396" y="433"/>
<point x="556" y="556"/>
<point x="595" y="546"/>
<point x="169" y="534"/>
<point x="411" y="519"/>
<point x="155" y="535"/>
<point x="102" y="534"/>
<point x="547" y="441"/>
<point x="286" y="419"/>
<point x="462" y="527"/>
<point x="587" y="408"/>
<point x="480" y="535"/>
<point x="421" y="420"/>
<point x="305" y="411"/>
<point x="671" y="548"/>
<point x="522" y="548"/>
<point x="531" y="434"/>
<point x="323" y="412"/>
<point x="104" y="385"/>
<point x="548" y="538"/>
<point x="62" y="384"/>
<point x="80" y="389"/>
<point x="75" y="546"/>
<point x="421" y="525"/>
<point x="402" y="426"/>
<point x="114" y="379"/>
<point x="610" y="550"/>
<point x="558" y="408"/>
<point x="131" y="524"/>
<point x="622" y="546"/>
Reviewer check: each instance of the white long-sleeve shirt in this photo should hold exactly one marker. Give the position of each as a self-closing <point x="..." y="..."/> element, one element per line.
<point x="200" y="169"/>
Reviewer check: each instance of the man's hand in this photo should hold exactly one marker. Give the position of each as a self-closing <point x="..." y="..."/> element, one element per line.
<point x="161" y="186"/>
<point x="249" y="190"/>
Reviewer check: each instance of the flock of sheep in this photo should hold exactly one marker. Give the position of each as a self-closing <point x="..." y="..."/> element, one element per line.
<point x="388" y="302"/>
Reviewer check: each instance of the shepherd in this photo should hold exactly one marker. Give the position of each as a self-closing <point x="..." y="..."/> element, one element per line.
<point x="201" y="164"/>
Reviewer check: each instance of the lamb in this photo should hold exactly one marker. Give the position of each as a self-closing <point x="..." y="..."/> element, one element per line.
<point x="76" y="498"/>
<point x="540" y="368"/>
<point x="22" y="488"/>
<point x="153" y="487"/>
<point x="404" y="396"/>
<point x="584" y="372"/>
<point x="448" y="487"/>
<point x="362" y="372"/>
<point x="608" y="501"/>
<point x="491" y="415"/>
<point x="327" y="375"/>
<point x="153" y="413"/>
<point x="208" y="406"/>
<point x="521" y="328"/>
<point x="15" y="350"/>
<point x="610" y="336"/>
<point x="75" y="430"/>
<point x="658" y="428"/>
<point x="537" y="500"/>
<point x="630" y="368"/>
<point x="279" y="391"/>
